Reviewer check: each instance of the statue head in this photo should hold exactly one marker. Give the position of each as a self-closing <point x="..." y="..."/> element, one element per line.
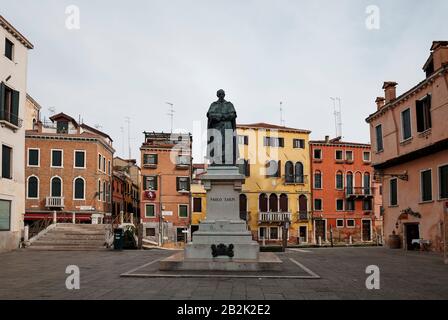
<point x="221" y="94"/>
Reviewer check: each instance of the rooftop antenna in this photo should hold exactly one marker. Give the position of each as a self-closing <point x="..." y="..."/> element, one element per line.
<point x="337" y="111"/>
<point x="282" y="121"/>
<point x="128" y="121"/>
<point x="52" y="110"/>
<point x="122" y="140"/>
<point x="98" y="126"/>
<point x="171" y="113"/>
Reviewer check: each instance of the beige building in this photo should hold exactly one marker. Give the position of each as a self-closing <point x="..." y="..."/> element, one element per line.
<point x="13" y="87"/>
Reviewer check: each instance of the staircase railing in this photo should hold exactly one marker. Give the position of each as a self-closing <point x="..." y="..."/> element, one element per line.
<point x="39" y="225"/>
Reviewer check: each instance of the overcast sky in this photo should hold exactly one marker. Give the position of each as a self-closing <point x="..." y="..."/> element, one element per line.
<point x="131" y="57"/>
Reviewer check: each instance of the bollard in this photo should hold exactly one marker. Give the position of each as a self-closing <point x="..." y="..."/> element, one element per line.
<point x="26" y="233"/>
<point x="55" y="220"/>
<point x="320" y="240"/>
<point x="73" y="217"/>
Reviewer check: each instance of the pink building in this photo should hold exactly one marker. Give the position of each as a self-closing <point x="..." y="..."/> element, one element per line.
<point x="409" y="137"/>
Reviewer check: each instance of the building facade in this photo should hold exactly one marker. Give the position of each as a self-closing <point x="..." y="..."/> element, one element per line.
<point x="166" y="177"/>
<point x="68" y="172"/>
<point x="198" y="198"/>
<point x="275" y="161"/>
<point x="13" y="87"/>
<point x="343" y="192"/>
<point x="410" y="155"/>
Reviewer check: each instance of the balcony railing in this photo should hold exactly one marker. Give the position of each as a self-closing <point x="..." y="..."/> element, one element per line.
<point x="274" y="216"/>
<point x="54" y="202"/>
<point x="353" y="192"/>
<point x="296" y="179"/>
<point x="303" y="215"/>
<point x="183" y="162"/>
<point x="10" y="118"/>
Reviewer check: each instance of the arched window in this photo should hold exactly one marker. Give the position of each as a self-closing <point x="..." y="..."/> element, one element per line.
<point x="33" y="188"/>
<point x="299" y="172"/>
<point x="56" y="187"/>
<point x="317" y="180"/>
<point x="99" y="189"/>
<point x="273" y="203"/>
<point x="350" y="183"/>
<point x="283" y="203"/>
<point x="339" y="180"/>
<point x="273" y="169"/>
<point x="263" y="202"/>
<point x="104" y="191"/>
<point x="366" y="183"/>
<point x="289" y="172"/>
<point x="303" y="204"/>
<point x="79" y="189"/>
<point x="243" y="207"/>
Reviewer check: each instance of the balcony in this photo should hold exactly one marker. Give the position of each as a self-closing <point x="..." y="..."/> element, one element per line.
<point x="54" y="202"/>
<point x="358" y="192"/>
<point x="299" y="179"/>
<point x="274" y="216"/>
<point x="10" y="120"/>
<point x="303" y="216"/>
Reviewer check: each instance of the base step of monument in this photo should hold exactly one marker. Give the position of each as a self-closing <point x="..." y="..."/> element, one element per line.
<point x="267" y="262"/>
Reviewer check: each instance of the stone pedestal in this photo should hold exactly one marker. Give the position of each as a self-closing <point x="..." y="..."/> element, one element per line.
<point x="223" y="229"/>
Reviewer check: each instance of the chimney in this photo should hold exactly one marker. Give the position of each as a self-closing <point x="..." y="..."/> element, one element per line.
<point x="390" y="91"/>
<point x="327" y="139"/>
<point x="439" y="53"/>
<point x="379" y="102"/>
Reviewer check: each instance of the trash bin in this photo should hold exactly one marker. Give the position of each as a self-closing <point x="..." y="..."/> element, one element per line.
<point x="118" y="239"/>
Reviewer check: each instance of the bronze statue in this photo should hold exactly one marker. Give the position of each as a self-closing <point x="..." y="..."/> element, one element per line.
<point x="221" y="132"/>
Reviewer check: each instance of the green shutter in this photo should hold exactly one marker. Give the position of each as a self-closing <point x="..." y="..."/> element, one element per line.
<point x="156" y="180"/>
<point x="15" y="107"/>
<point x="2" y="101"/>
<point x="177" y="183"/>
<point x="144" y="182"/>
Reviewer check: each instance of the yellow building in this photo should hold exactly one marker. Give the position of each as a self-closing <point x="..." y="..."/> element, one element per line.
<point x="277" y="187"/>
<point x="198" y="198"/>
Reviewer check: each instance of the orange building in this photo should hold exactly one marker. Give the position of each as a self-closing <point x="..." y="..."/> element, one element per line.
<point x="68" y="171"/>
<point x="166" y="175"/>
<point x="343" y="192"/>
<point x="410" y="141"/>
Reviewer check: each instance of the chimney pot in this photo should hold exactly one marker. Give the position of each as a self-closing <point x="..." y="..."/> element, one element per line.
<point x="327" y="139"/>
<point x="379" y="102"/>
<point x="390" y="91"/>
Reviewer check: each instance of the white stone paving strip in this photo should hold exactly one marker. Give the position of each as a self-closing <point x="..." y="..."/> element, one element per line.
<point x="138" y="268"/>
<point x="300" y="250"/>
<point x="311" y="273"/>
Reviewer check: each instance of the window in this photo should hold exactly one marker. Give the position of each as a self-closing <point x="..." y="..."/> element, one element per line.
<point x="150" y="210"/>
<point x="183" y="184"/>
<point x="150" y="182"/>
<point x="338" y="155"/>
<point x="406" y="124"/>
<point x="262" y="233"/>
<point x="197" y="205"/>
<point x="299" y="177"/>
<point x="9" y="105"/>
<point x="317" y="154"/>
<point x="5" y="215"/>
<point x="244" y="140"/>
<point x="393" y="189"/>
<point x="100" y="161"/>
<point x="104" y="164"/>
<point x="379" y="138"/>
<point x="339" y="223"/>
<point x="150" y="159"/>
<point x="289" y="172"/>
<point x="273" y="169"/>
<point x="62" y="127"/>
<point x="318" y="204"/>
<point x="366" y="156"/>
<point x="274" y="142"/>
<point x="56" y="158"/>
<point x="80" y="159"/>
<point x="150" y="232"/>
<point x="183" y="211"/>
<point x="423" y="113"/>
<point x="350" y="189"/>
<point x="367" y="190"/>
<point x="367" y="205"/>
<point x="33" y="157"/>
<point x="273" y="203"/>
<point x="443" y="182"/>
<point x="104" y="192"/>
<point x="244" y="168"/>
<point x="33" y="188"/>
<point x="6" y="162"/>
<point x="426" y="185"/>
<point x="317" y="180"/>
<point x="339" y="204"/>
<point x="263" y="203"/>
<point x="349" y="156"/>
<point x="273" y="233"/>
<point x="108" y="167"/>
<point x="298" y="143"/>
<point x="283" y="203"/>
<point x="350" y="223"/>
<point x="339" y="180"/>
<point x="56" y="187"/>
<point x="79" y="189"/>
<point x="350" y="205"/>
<point x="9" y="49"/>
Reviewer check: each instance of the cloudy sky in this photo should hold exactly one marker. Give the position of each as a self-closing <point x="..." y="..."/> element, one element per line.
<point x="131" y="57"/>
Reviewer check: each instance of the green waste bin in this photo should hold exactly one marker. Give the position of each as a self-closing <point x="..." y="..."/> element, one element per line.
<point x="118" y="239"/>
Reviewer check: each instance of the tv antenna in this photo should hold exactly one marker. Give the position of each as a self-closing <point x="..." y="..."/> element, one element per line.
<point x="337" y="112"/>
<point x="170" y="113"/>
<point x="282" y="120"/>
<point x="52" y="110"/>
<point x="128" y="121"/>
<point x="122" y="140"/>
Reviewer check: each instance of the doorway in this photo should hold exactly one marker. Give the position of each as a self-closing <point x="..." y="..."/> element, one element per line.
<point x="320" y="228"/>
<point x="303" y="234"/>
<point x="366" y="230"/>
<point x="412" y="232"/>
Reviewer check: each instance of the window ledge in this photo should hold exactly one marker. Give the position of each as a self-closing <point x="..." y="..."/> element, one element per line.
<point x="405" y="142"/>
<point x="150" y="166"/>
<point x="425" y="202"/>
<point x="317" y="160"/>
<point x="425" y="133"/>
<point x="11" y="126"/>
<point x="442" y="199"/>
<point x="379" y="152"/>
<point x="394" y="206"/>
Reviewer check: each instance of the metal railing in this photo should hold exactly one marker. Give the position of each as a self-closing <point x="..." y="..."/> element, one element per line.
<point x="296" y="179"/>
<point x="303" y="215"/>
<point x="54" y="202"/>
<point x="359" y="191"/>
<point x="274" y="216"/>
<point x="11" y="118"/>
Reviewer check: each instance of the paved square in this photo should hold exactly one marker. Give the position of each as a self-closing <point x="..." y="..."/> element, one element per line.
<point x="28" y="274"/>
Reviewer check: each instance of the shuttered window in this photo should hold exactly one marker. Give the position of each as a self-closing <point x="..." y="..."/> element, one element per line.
<point x="426" y="185"/>
<point x="318" y="204"/>
<point x="79" y="189"/>
<point x="393" y="201"/>
<point x="33" y="157"/>
<point x="318" y="180"/>
<point x="150" y="182"/>
<point x="150" y="159"/>
<point x="9" y="105"/>
<point x="197" y="205"/>
<point x="9" y="49"/>
<point x="443" y="182"/>
<point x="183" y="184"/>
<point x="423" y="113"/>
<point x="80" y="158"/>
<point x="340" y="204"/>
<point x="339" y="181"/>
<point x="298" y="144"/>
<point x="56" y="158"/>
<point x="33" y="188"/>
<point x="183" y="211"/>
<point x="149" y="210"/>
<point x="379" y="138"/>
<point x="6" y="162"/>
<point x="406" y="124"/>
